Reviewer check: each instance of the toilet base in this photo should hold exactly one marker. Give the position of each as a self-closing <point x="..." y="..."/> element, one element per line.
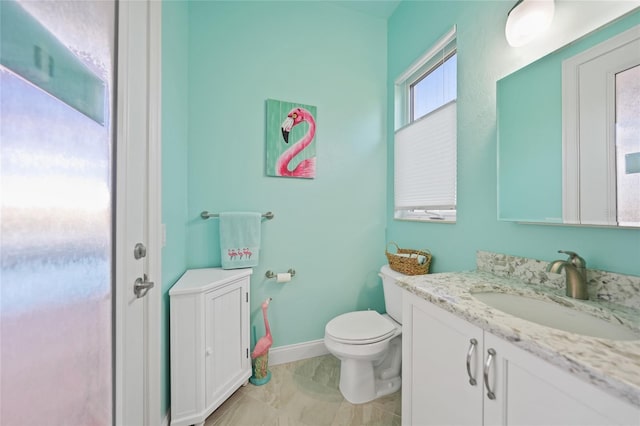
<point x="389" y="386"/>
<point x="363" y="381"/>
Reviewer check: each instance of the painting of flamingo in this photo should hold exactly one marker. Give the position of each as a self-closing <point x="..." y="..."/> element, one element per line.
<point x="291" y="130"/>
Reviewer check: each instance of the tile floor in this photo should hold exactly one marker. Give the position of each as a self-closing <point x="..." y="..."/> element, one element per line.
<point x="303" y="393"/>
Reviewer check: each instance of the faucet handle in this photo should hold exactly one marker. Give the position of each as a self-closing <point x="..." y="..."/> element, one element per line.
<point x="575" y="259"/>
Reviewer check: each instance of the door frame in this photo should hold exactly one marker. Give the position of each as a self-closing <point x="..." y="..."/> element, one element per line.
<point x="156" y="231"/>
<point x="152" y="354"/>
<point x="600" y="162"/>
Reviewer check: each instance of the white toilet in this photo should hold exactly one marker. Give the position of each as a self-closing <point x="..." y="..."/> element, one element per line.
<point x="368" y="345"/>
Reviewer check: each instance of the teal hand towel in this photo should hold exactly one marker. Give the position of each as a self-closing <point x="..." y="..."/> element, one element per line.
<point x="239" y="239"/>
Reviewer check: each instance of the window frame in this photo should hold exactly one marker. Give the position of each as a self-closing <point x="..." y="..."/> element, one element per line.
<point x="447" y="47"/>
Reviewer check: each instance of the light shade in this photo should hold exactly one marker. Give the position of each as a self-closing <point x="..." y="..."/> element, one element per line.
<point x="528" y="19"/>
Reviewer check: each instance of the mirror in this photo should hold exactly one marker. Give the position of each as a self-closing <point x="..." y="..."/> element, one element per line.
<point x="530" y="134"/>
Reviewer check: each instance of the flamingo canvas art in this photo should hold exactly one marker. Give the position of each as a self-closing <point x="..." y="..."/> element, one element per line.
<point x="291" y="146"/>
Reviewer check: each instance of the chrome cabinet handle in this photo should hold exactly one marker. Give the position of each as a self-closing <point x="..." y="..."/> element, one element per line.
<point x="472" y="346"/>
<point x="485" y="373"/>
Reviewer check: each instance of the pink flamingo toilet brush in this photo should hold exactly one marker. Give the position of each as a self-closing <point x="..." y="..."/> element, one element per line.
<point x="260" y="355"/>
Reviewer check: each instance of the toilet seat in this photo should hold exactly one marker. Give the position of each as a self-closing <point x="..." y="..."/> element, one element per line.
<point x="360" y="328"/>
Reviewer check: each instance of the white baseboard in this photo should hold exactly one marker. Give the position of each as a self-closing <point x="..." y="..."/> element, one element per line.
<point x="297" y="352"/>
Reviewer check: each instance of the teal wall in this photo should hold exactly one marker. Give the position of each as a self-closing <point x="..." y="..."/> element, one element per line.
<point x="223" y="60"/>
<point x="483" y="58"/>
<point x="329" y="229"/>
<point x="175" y="136"/>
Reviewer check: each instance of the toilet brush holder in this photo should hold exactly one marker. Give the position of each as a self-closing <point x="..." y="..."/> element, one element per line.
<point x="261" y="374"/>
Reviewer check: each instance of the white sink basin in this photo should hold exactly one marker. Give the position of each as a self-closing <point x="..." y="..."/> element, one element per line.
<point x="554" y="315"/>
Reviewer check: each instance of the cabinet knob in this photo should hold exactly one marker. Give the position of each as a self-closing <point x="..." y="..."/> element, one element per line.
<point x="208" y="352"/>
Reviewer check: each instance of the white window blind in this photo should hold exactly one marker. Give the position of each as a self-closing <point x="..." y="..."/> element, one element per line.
<point x="425" y="162"/>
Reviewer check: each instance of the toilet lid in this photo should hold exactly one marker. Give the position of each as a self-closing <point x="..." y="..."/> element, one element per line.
<point x="359" y="328"/>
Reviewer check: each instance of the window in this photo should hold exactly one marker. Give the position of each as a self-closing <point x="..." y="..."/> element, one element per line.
<point x="435" y="88"/>
<point x="425" y="139"/>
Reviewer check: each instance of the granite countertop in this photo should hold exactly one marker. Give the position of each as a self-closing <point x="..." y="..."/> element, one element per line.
<point x="611" y="365"/>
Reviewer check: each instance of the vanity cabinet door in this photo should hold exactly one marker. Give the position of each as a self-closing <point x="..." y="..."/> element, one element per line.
<point x="530" y="391"/>
<point x="435" y="380"/>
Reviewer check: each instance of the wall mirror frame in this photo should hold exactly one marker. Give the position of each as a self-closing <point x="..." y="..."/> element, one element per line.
<point x="530" y="132"/>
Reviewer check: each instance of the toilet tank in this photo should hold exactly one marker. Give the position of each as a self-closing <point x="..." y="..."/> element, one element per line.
<point x="392" y="292"/>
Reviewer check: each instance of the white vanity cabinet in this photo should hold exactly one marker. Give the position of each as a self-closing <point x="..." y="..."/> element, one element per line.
<point x="435" y="381"/>
<point x="209" y="339"/>
<point x="440" y="359"/>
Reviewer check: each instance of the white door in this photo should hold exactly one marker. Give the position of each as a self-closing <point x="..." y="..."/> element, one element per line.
<point x="57" y="234"/>
<point x="597" y="82"/>
<point x="56" y="257"/>
<point x="600" y="133"/>
<point x="137" y="224"/>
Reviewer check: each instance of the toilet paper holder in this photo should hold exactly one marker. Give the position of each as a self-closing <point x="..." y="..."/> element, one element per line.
<point x="271" y="274"/>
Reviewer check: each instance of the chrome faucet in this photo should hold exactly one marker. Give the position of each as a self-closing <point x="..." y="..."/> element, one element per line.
<point x="575" y="271"/>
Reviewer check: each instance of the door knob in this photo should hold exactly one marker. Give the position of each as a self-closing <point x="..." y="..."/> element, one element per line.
<point x="141" y="286"/>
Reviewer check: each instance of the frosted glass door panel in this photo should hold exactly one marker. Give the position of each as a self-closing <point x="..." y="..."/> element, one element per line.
<point x="628" y="146"/>
<point x="56" y="301"/>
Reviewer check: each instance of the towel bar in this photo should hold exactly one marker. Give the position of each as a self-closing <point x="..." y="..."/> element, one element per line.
<point x="206" y="215"/>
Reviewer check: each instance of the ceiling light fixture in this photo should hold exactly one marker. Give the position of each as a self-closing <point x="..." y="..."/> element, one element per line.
<point x="528" y="19"/>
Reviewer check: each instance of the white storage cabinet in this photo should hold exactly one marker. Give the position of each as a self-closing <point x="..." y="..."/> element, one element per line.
<point x="440" y="387"/>
<point x="209" y="335"/>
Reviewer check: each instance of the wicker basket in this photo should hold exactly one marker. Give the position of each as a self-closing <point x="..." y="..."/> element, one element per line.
<point x="408" y="265"/>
